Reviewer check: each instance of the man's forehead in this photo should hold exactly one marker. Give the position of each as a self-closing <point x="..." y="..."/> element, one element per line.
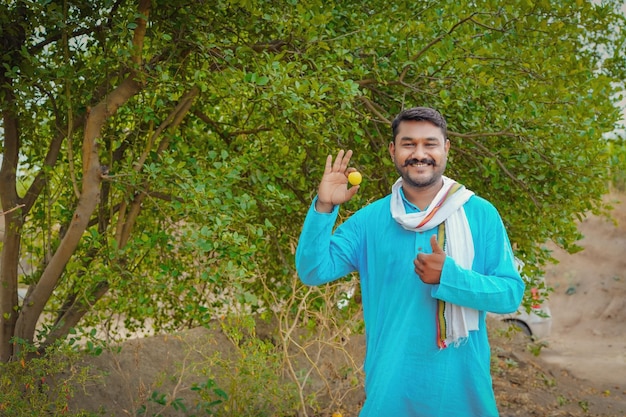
<point x="414" y="129"/>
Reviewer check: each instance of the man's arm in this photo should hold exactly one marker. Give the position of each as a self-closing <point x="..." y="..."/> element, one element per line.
<point x="500" y="291"/>
<point x="319" y="257"/>
<point x="495" y="284"/>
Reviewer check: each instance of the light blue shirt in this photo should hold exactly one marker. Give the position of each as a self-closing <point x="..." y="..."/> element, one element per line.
<point x="406" y="374"/>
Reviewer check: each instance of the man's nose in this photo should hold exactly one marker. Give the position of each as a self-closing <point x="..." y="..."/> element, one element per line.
<point x="419" y="152"/>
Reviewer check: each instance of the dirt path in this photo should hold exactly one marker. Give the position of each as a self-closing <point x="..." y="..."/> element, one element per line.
<point x="589" y="303"/>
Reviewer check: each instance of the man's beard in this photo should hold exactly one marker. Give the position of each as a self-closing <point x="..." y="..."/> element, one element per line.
<point x="434" y="177"/>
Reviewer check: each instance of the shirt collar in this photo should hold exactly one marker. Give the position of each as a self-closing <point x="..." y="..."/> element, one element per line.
<point x="409" y="207"/>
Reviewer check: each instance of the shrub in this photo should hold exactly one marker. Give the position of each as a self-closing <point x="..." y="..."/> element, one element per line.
<point x="35" y="385"/>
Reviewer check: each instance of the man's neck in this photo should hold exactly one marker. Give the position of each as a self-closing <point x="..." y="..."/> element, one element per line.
<point x="421" y="197"/>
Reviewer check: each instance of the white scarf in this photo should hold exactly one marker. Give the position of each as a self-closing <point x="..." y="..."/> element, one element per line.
<point x="447" y="208"/>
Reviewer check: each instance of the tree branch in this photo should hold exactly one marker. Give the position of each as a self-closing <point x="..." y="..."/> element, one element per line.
<point x="368" y="103"/>
<point x="127" y="217"/>
<point x="50" y="161"/>
<point x="11" y="210"/>
<point x="216" y="127"/>
<point x="433" y="42"/>
<point x="57" y="35"/>
<point x="482" y="134"/>
<point x="10" y="251"/>
<point x="92" y="177"/>
<point x="471" y="137"/>
<point x="74" y="309"/>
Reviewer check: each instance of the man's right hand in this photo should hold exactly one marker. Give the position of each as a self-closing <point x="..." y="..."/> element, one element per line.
<point x="333" y="189"/>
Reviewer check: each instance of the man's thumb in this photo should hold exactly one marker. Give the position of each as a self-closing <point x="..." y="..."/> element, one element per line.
<point x="435" y="245"/>
<point x="353" y="190"/>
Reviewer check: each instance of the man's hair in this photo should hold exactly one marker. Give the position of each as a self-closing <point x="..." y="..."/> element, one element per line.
<point x="420" y="114"/>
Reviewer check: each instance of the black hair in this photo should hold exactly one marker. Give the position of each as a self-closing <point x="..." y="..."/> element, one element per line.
<point x="420" y="114"/>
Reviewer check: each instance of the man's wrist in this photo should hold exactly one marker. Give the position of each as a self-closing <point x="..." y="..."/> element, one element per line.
<point x="322" y="207"/>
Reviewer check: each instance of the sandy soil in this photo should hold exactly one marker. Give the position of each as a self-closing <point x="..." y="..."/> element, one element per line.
<point x="589" y="303"/>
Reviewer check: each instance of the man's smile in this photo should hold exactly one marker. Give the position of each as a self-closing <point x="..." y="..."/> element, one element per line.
<point x="419" y="163"/>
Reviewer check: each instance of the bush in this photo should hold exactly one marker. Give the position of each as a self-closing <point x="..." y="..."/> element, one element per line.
<point x="41" y="385"/>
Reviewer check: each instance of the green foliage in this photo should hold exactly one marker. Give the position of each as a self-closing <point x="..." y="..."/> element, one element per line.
<point x="254" y="384"/>
<point x="242" y="377"/>
<point x="220" y="188"/>
<point x="42" y="385"/>
<point x="206" y="407"/>
<point x="617" y="166"/>
<point x="584" y="405"/>
<point x="535" y="347"/>
<point x="211" y="395"/>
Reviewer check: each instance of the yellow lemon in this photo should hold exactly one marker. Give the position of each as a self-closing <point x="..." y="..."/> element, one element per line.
<point x="355" y="178"/>
<point x="337" y="413"/>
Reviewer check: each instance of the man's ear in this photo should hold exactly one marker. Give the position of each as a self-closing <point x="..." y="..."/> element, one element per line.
<point x="392" y="150"/>
<point x="447" y="145"/>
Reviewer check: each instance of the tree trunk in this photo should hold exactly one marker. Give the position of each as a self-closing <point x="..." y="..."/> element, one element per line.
<point x="13" y="220"/>
<point x="87" y="203"/>
<point x="92" y="177"/>
<point x="78" y="308"/>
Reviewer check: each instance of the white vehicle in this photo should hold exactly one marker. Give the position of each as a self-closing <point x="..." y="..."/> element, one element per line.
<point x="537" y="323"/>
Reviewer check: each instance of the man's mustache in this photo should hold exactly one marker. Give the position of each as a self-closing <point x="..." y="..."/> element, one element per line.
<point x="415" y="161"/>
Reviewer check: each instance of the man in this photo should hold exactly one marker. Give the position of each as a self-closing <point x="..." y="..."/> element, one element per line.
<point x="432" y="258"/>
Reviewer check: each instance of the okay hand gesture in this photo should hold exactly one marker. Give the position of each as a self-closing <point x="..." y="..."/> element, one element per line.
<point x="333" y="189"/>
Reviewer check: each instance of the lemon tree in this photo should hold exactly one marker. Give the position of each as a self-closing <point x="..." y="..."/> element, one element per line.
<point x="158" y="154"/>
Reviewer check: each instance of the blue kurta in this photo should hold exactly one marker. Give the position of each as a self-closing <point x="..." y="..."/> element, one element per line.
<point x="406" y="374"/>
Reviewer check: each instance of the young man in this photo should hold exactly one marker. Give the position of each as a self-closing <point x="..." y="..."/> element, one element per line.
<point x="433" y="258"/>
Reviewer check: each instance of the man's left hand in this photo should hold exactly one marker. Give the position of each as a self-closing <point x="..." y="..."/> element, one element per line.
<point x="428" y="266"/>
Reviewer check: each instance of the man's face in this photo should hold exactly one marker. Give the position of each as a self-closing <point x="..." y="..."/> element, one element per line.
<point x="420" y="153"/>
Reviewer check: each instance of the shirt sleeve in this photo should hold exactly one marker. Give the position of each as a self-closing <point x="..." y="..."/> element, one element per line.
<point x="323" y="256"/>
<point x="494" y="283"/>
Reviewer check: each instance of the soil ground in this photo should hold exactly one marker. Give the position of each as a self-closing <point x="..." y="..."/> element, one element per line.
<point x="580" y="372"/>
